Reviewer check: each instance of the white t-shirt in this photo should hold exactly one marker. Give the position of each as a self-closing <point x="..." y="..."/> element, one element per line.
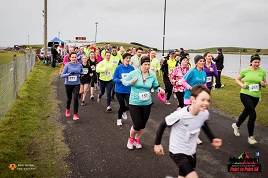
<point x="185" y="130"/>
<point x="135" y="61"/>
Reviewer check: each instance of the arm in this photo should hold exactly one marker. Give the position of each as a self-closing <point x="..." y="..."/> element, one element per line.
<point x="239" y="82"/>
<point x="172" y="77"/>
<point x="65" y="60"/>
<point x="64" y="73"/>
<point x="100" y="68"/>
<point x="158" y="148"/>
<point x="215" y="71"/>
<point x="116" y="76"/>
<point x="128" y="79"/>
<point x="216" y="142"/>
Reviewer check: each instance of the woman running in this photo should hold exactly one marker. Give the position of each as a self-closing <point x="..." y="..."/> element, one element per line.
<point x="71" y="72"/>
<point x="106" y="70"/>
<point x="254" y="78"/>
<point x="210" y="69"/>
<point x="85" y="78"/>
<point x="93" y="83"/>
<point x="176" y="79"/>
<point x="141" y="82"/>
<point x="122" y="92"/>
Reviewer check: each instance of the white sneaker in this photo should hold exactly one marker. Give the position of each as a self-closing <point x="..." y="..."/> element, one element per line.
<point x="124" y="115"/>
<point x="251" y="140"/>
<point x="167" y="102"/>
<point x="119" y="122"/>
<point x="137" y="144"/>
<point x="198" y="141"/>
<point x="175" y="96"/>
<point x="152" y="90"/>
<point x="130" y="143"/>
<point x="236" y="129"/>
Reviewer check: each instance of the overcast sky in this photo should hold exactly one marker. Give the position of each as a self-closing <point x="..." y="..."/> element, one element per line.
<point x="191" y="24"/>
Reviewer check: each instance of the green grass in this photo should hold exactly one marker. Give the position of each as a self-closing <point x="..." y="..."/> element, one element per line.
<point x="227" y="100"/>
<point x="232" y="50"/>
<point x="6" y="57"/>
<point x="31" y="133"/>
<point x="125" y="45"/>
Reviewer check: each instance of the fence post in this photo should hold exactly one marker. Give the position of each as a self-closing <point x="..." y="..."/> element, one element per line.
<point x="15" y="75"/>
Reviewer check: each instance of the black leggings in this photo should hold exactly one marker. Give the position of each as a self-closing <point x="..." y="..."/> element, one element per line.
<point x="70" y="91"/>
<point x="123" y="100"/>
<point x="139" y="116"/>
<point x="180" y="98"/>
<point x="249" y="103"/>
<point x="218" y="80"/>
<point x="93" y="80"/>
<point x="168" y="87"/>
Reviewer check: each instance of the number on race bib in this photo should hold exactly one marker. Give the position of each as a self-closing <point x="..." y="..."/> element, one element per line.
<point x="170" y="70"/>
<point x="144" y="96"/>
<point x="254" y="87"/>
<point x="107" y="73"/>
<point x="191" y="135"/>
<point x="209" y="79"/>
<point x="72" y="78"/>
<point x="85" y="70"/>
<point x="124" y="75"/>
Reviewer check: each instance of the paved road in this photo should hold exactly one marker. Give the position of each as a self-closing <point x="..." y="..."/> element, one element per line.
<point x="98" y="145"/>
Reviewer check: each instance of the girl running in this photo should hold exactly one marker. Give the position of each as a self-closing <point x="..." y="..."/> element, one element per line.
<point x="93" y="83"/>
<point x="254" y="78"/>
<point x="210" y="69"/>
<point x="141" y="82"/>
<point x="71" y="73"/>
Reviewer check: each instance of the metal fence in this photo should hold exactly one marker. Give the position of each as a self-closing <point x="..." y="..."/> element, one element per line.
<point x="12" y="76"/>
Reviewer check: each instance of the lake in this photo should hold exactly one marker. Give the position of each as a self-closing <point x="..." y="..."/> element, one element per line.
<point x="232" y="65"/>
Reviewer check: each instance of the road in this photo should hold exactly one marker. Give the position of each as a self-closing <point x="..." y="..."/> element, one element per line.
<point x="98" y="145"/>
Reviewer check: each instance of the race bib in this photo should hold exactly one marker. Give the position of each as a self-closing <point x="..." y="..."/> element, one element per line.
<point x="144" y="96"/>
<point x="191" y="135"/>
<point x="107" y="73"/>
<point x="115" y="62"/>
<point x="85" y="70"/>
<point x="93" y="68"/>
<point x="209" y="79"/>
<point x="153" y="70"/>
<point x="124" y="75"/>
<point x="254" y="87"/>
<point x="72" y="78"/>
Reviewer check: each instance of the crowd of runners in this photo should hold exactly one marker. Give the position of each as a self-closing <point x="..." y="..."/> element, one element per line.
<point x="131" y="76"/>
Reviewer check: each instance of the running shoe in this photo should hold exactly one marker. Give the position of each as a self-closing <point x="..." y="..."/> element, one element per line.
<point x="137" y="144"/>
<point x="251" y="140"/>
<point x="75" y="117"/>
<point x="119" y="122"/>
<point x="67" y="113"/>
<point x="130" y="143"/>
<point x="198" y="141"/>
<point x="175" y="96"/>
<point x="236" y="130"/>
<point x="95" y="88"/>
<point x="167" y="102"/>
<point x="152" y="90"/>
<point x="83" y="103"/>
<point x="124" y="115"/>
<point x="109" y="109"/>
<point x="92" y="97"/>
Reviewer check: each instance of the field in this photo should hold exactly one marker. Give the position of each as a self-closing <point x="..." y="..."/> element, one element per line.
<point x="232" y="50"/>
<point x="6" y="57"/>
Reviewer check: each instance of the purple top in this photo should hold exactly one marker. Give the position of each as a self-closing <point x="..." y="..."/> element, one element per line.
<point x="210" y="74"/>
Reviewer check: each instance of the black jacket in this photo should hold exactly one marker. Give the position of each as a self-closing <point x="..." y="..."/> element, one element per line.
<point x="219" y="61"/>
<point x="164" y="67"/>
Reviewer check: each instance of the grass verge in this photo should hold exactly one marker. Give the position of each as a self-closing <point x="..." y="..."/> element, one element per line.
<point x="6" y="57"/>
<point x="227" y="100"/>
<point x="31" y="133"/>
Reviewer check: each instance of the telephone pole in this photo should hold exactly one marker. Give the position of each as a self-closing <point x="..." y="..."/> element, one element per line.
<point x="45" y="26"/>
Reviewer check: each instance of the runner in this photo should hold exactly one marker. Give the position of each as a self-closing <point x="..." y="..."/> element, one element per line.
<point x="194" y="77"/>
<point x="93" y="82"/>
<point x="122" y="92"/>
<point x="135" y="60"/>
<point x="80" y="54"/>
<point x="141" y="82"/>
<point x="85" y="78"/>
<point x="176" y="80"/>
<point x="66" y="57"/>
<point x="185" y="127"/>
<point x="210" y="69"/>
<point x="106" y="70"/>
<point x="254" y="78"/>
<point x="71" y="73"/>
<point x="168" y="65"/>
<point x="154" y="64"/>
<point x="97" y="56"/>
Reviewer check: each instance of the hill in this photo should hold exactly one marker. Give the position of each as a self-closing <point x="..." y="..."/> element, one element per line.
<point x="231" y="50"/>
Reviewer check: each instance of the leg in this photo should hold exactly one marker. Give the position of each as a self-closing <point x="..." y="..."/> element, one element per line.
<point x="180" y="96"/>
<point x="76" y="93"/>
<point x="102" y="88"/>
<point x="68" y="89"/>
<point x="109" y="87"/>
<point x="144" y="118"/>
<point x="85" y="89"/>
<point x="113" y="92"/>
<point x="252" y="116"/>
<point x="248" y="104"/>
<point x="121" y="101"/>
<point x="218" y="80"/>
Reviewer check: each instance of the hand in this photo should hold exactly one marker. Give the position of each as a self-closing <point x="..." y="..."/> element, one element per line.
<point x="244" y="85"/>
<point x="133" y="81"/>
<point x="263" y="84"/>
<point x="91" y="74"/>
<point x="106" y="70"/>
<point x="158" y="149"/>
<point x="216" y="142"/>
<point x="190" y="88"/>
<point x="211" y="69"/>
<point x="161" y="91"/>
<point x="81" y="76"/>
<point x="71" y="73"/>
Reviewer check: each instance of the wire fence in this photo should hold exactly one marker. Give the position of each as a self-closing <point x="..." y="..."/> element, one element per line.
<point x="12" y="76"/>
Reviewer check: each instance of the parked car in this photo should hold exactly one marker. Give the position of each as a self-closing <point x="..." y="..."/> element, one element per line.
<point x="42" y="53"/>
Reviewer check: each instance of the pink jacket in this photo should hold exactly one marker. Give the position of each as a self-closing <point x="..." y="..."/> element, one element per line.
<point x="176" y="78"/>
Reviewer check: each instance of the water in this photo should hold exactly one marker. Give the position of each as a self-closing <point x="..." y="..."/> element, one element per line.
<point x="232" y="64"/>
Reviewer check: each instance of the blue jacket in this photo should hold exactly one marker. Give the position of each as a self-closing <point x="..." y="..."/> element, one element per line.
<point x="121" y="72"/>
<point x="72" y="79"/>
